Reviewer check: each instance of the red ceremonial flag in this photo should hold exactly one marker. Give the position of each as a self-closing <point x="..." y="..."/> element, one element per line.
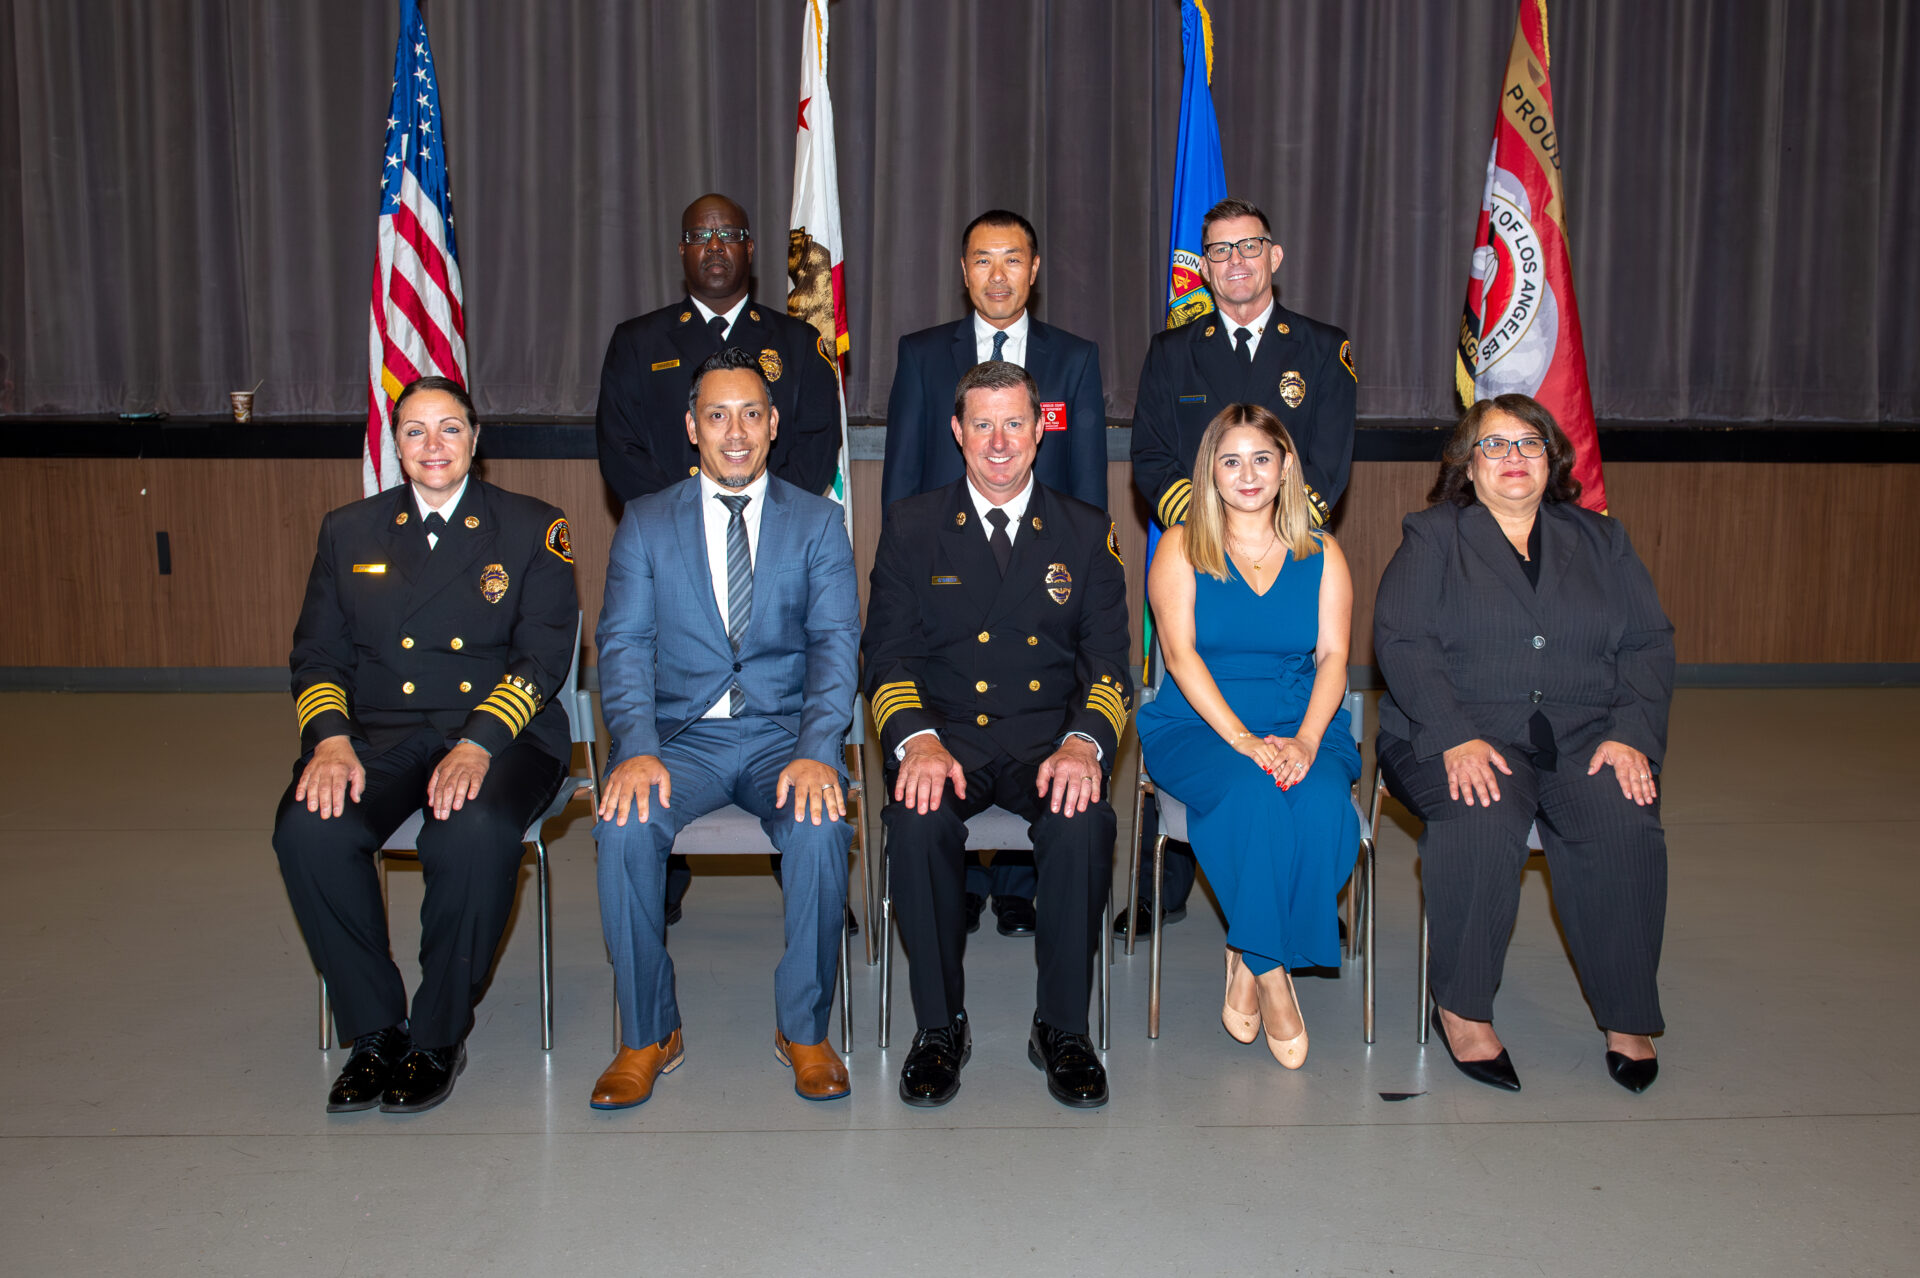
<point x="1521" y="328"/>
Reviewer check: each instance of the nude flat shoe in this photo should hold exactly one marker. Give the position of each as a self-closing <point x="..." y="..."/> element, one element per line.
<point x="1290" y="1052"/>
<point x="1244" y="1026"/>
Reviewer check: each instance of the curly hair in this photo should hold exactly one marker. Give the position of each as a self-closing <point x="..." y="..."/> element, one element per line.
<point x="1455" y="481"/>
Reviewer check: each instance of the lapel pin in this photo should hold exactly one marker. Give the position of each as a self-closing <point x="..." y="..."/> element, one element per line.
<point x="399" y="519"/>
<point x="473" y="521"/>
<point x="960" y="520"/>
<point x="685" y="316"/>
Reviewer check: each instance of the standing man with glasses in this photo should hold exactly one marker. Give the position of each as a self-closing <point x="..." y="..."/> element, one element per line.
<point x="1251" y="350"/>
<point x="640" y="423"/>
<point x="999" y="263"/>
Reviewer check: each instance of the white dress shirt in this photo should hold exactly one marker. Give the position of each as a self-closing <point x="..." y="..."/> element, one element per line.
<point x="446" y="510"/>
<point x="1258" y="328"/>
<point x="1014" y="352"/>
<point x="707" y="313"/>
<point x="714" y="518"/>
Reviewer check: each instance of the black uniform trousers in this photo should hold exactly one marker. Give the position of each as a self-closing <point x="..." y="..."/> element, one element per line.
<point x="470" y="863"/>
<point x="1073" y="859"/>
<point x="1608" y="856"/>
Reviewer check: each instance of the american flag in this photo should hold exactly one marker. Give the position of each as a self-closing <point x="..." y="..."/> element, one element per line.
<point x="418" y="324"/>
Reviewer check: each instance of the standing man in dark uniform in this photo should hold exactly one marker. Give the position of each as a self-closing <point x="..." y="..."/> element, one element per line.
<point x="996" y="663"/>
<point x="1251" y="350"/>
<point x="999" y="262"/>
<point x="440" y="617"/>
<point x="641" y="420"/>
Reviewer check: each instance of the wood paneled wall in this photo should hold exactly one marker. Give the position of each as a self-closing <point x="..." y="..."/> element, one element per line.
<point x="1755" y="563"/>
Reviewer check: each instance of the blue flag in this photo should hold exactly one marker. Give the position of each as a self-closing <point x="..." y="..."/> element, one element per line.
<point x="1199" y="175"/>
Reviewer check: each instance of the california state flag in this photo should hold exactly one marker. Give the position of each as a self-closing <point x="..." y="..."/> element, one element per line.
<point x="815" y="257"/>
<point x="1521" y="328"/>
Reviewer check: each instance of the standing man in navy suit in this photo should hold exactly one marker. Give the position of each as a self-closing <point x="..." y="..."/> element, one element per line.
<point x="728" y="664"/>
<point x="640" y="421"/>
<point x="999" y="262"/>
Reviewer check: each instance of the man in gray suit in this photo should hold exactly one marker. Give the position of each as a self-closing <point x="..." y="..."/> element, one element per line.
<point x="728" y="665"/>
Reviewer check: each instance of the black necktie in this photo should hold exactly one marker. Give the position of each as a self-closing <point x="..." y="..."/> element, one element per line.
<point x="999" y="345"/>
<point x="998" y="539"/>
<point x="434" y="525"/>
<point x="718" y="326"/>
<point x="1244" y="336"/>
<point x="739" y="588"/>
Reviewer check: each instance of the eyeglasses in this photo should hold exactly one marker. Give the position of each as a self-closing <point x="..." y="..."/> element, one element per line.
<point x="1252" y="246"/>
<point x="725" y="234"/>
<point x="1494" y="448"/>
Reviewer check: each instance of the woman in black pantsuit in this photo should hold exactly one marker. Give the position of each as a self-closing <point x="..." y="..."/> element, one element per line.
<point x="440" y="617"/>
<point x="1529" y="670"/>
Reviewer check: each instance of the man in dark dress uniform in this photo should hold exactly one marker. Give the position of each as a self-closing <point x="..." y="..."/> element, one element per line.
<point x="996" y="664"/>
<point x="1250" y="350"/>
<point x="439" y="618"/>
<point x="641" y="421"/>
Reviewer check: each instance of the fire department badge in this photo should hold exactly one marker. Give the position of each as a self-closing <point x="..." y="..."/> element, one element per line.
<point x="1059" y="583"/>
<point x="1113" y="546"/>
<point x="493" y="583"/>
<point x="557" y="541"/>
<point x="1293" y="388"/>
<point x="770" y="363"/>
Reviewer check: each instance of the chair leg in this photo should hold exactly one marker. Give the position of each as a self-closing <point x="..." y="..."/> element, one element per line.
<point x="542" y="881"/>
<point x="1105" y="962"/>
<point x="1133" y="858"/>
<point x="1366" y="937"/>
<point x="616" y="1015"/>
<point x="885" y="941"/>
<point x="326" y="1017"/>
<point x="1426" y="994"/>
<point x="1159" y="930"/>
<point x="846" y="991"/>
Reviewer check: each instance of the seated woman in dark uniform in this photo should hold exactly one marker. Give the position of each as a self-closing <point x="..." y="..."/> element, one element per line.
<point x="1529" y="668"/>
<point x="439" y="617"/>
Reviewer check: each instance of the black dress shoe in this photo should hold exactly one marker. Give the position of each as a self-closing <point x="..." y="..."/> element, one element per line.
<point x="1015" y="915"/>
<point x="1497" y="1072"/>
<point x="1143" y="920"/>
<point x="1635" y="1076"/>
<point x="424" y="1079"/>
<point x="975" y="903"/>
<point x="853" y="924"/>
<point x="367" y="1071"/>
<point x="1075" y="1075"/>
<point x="673" y="913"/>
<point x="931" y="1075"/>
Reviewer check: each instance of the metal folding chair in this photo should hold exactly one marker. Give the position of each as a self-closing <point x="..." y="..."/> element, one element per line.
<point x="1173" y="826"/>
<point x="1380" y="792"/>
<point x="995" y="829"/>
<point x="733" y="831"/>
<point x="579" y="707"/>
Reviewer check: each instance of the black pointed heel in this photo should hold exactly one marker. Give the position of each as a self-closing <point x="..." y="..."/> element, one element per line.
<point x="1497" y="1072"/>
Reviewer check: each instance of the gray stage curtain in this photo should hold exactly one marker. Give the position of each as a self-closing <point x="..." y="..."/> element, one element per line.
<point x="187" y="187"/>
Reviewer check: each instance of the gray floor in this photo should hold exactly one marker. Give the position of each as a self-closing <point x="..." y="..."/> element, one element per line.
<point x="164" y="1091"/>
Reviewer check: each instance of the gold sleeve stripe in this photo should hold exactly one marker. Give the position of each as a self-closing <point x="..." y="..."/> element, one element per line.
<point x="503" y="714"/>
<point x="882" y="713"/>
<point x="1174" y="502"/>
<point x="1316" y="506"/>
<point x="895" y="686"/>
<point x="320" y="689"/>
<point x="320" y="707"/>
<point x="1111" y="709"/>
<point x="517" y="696"/>
<point x="515" y="706"/>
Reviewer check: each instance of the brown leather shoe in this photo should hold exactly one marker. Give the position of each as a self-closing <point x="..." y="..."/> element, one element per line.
<point x="818" y="1072"/>
<point x="629" y="1080"/>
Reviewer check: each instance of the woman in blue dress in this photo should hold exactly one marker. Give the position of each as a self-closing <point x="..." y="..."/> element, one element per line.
<point x="1253" y="608"/>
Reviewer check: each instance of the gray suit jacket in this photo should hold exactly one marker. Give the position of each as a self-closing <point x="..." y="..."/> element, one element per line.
<point x="664" y="656"/>
<point x="1470" y="649"/>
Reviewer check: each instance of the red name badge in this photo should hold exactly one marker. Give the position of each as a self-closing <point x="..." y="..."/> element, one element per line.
<point x="1053" y="415"/>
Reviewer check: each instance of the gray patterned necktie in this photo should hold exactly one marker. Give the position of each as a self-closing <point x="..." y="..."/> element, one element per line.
<point x="999" y="345"/>
<point x="739" y="588"/>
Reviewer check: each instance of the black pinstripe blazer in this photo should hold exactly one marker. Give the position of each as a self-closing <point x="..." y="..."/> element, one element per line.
<point x="1470" y="649"/>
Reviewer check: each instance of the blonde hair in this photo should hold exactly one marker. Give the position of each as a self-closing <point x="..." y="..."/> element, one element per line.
<point x="1207" y="519"/>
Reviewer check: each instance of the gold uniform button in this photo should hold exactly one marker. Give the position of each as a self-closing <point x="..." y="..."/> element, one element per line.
<point x="1033" y="641"/>
<point x="407" y="642"/>
<point x="1033" y="686"/>
<point x="981" y="686"/>
<point x="981" y="720"/>
<point x="407" y="687"/>
<point x="465" y="686"/>
<point x="983" y="636"/>
<point x="458" y="643"/>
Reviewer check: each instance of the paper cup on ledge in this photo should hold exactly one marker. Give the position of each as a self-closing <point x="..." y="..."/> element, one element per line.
<point x="242" y="405"/>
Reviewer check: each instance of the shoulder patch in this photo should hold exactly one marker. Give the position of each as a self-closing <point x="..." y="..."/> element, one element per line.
<point x="1113" y="545"/>
<point x="558" y="541"/>
<point x="1346" y="357"/>
<point x="826" y="352"/>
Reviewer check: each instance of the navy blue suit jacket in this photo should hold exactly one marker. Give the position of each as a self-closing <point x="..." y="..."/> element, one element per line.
<point x="664" y="656"/>
<point x="921" y="452"/>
